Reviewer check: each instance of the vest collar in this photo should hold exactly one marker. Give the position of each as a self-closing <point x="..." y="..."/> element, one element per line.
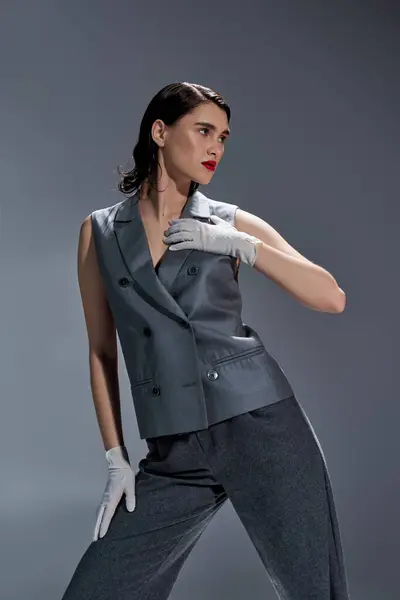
<point x="132" y="242"/>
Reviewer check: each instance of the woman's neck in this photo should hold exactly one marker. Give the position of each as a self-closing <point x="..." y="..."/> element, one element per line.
<point x="165" y="204"/>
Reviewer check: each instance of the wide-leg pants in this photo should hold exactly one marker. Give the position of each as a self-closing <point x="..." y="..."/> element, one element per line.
<point x="268" y="462"/>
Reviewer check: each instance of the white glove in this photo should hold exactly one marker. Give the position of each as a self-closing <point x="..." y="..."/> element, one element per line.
<point x="219" y="237"/>
<point x="121" y="479"/>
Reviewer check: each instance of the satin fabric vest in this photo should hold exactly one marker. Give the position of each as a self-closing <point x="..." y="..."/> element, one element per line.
<point x="190" y="359"/>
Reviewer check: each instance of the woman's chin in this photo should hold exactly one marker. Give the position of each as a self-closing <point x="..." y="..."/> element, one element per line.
<point x="204" y="179"/>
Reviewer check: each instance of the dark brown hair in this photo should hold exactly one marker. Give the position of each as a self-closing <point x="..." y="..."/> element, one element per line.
<point x="169" y="104"/>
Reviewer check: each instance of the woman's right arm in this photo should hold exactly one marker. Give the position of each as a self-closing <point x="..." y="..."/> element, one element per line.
<point x="102" y="338"/>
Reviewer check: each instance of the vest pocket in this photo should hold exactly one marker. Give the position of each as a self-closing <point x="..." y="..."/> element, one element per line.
<point x="142" y="382"/>
<point x="245" y="379"/>
<point x="239" y="355"/>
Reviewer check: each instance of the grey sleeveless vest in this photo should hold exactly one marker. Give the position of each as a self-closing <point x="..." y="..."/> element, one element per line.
<point x="190" y="359"/>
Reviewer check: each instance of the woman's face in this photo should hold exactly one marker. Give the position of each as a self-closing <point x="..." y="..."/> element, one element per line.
<point x="197" y="137"/>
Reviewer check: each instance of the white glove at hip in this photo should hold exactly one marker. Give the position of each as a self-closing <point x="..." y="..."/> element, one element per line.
<point x="121" y="479"/>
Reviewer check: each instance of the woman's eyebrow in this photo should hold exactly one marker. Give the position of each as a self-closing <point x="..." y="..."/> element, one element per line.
<point x="211" y="126"/>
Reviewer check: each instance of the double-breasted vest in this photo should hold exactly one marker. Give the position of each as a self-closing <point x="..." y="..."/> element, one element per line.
<point x="190" y="359"/>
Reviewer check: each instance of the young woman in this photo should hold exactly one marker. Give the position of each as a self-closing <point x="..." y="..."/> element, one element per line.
<point x="219" y="417"/>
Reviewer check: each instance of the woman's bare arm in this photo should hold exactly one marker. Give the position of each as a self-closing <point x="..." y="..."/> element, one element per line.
<point x="102" y="337"/>
<point x="310" y="284"/>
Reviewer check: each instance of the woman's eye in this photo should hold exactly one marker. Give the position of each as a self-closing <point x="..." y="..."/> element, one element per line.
<point x="223" y="138"/>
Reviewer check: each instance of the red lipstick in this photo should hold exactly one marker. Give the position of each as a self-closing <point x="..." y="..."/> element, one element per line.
<point x="210" y="164"/>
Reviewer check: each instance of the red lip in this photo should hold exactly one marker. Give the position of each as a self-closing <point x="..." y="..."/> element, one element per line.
<point x="210" y="164"/>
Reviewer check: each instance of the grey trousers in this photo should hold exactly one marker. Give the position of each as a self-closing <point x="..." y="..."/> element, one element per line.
<point x="268" y="462"/>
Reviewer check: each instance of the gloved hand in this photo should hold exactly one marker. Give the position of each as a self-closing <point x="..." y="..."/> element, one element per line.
<point x="121" y="479"/>
<point x="219" y="238"/>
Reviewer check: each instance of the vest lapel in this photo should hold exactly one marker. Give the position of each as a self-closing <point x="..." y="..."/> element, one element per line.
<point x="132" y="242"/>
<point x="196" y="207"/>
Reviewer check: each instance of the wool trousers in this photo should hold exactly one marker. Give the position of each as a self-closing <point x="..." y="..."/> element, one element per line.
<point x="269" y="463"/>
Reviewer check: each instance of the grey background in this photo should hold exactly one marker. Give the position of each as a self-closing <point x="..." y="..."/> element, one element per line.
<point x="314" y="92"/>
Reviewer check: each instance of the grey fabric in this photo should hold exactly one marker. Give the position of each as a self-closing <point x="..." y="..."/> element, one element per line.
<point x="269" y="464"/>
<point x="190" y="359"/>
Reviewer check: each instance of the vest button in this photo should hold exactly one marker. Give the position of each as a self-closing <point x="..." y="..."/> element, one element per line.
<point x="146" y="331"/>
<point x="156" y="390"/>
<point x="184" y="324"/>
<point x="212" y="375"/>
<point x="193" y="270"/>
<point x="123" y="282"/>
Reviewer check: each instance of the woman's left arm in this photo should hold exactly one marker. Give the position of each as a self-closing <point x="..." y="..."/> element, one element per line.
<point x="310" y="284"/>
